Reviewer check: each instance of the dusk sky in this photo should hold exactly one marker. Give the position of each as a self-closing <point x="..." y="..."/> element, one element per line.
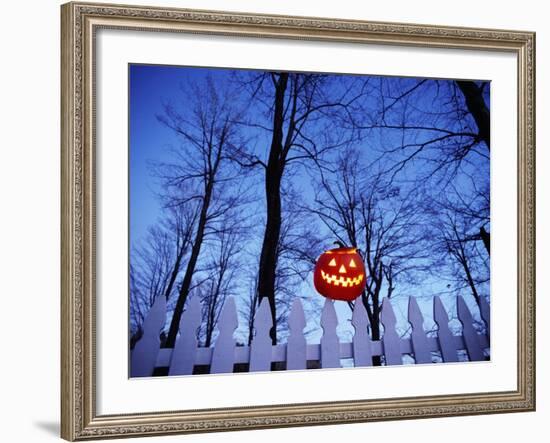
<point x="151" y="87"/>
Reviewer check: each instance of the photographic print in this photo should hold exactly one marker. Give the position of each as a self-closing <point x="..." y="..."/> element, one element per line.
<point x="300" y="220"/>
<point x="292" y="204"/>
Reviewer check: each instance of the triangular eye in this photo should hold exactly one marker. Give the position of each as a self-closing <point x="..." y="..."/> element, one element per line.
<point x="332" y="262"/>
<point x="352" y="264"/>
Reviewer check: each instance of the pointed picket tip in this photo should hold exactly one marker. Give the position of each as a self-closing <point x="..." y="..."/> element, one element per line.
<point x="296" y="344"/>
<point x="362" y="346"/>
<point x="191" y="319"/>
<point x="157" y="312"/>
<point x="390" y="339"/>
<point x="421" y="348"/>
<point x="485" y="310"/>
<point x="155" y="319"/>
<point x="297" y="319"/>
<point x="471" y="338"/>
<point x="414" y="310"/>
<point x="464" y="313"/>
<point x="228" y="317"/>
<point x="263" y="315"/>
<point x="160" y="303"/>
<point x="223" y="354"/>
<point x="183" y="355"/>
<point x="260" y="346"/>
<point x="144" y="355"/>
<point x="193" y="310"/>
<point x="444" y="336"/>
<point x="440" y="314"/>
<point x="387" y="315"/>
<point x="359" y="318"/>
<point x="330" y="348"/>
<point x="328" y="315"/>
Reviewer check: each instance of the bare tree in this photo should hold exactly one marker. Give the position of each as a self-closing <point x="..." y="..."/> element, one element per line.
<point x="474" y="97"/>
<point x="440" y="124"/>
<point x="298" y="131"/>
<point x="200" y="172"/>
<point x="139" y="306"/>
<point x="224" y="270"/>
<point x="298" y="247"/>
<point x="156" y="262"/>
<point x="465" y="260"/>
<point x="398" y="168"/>
<point x="365" y="212"/>
<point x="435" y="134"/>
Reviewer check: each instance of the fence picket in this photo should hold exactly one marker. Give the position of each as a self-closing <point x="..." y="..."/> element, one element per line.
<point x="362" y="346"/>
<point x="391" y="341"/>
<point x="223" y="355"/>
<point x="260" y="347"/>
<point x="183" y="356"/>
<point x="296" y="343"/>
<point x="444" y="334"/>
<point x="330" y="345"/>
<point x="144" y="355"/>
<point x="420" y="344"/>
<point x="475" y="353"/>
<point x="486" y="314"/>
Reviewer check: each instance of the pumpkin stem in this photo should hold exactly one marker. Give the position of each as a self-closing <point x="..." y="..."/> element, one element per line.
<point x="339" y="244"/>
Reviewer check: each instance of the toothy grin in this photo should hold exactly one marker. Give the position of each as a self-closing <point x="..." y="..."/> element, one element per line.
<point x="340" y="280"/>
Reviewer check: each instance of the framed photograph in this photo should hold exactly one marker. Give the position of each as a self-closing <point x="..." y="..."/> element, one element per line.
<point x="281" y="221"/>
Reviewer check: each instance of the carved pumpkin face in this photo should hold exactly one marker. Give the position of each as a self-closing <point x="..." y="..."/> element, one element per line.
<point x="340" y="274"/>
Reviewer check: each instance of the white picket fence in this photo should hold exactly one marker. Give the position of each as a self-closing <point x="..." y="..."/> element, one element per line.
<point x="182" y="359"/>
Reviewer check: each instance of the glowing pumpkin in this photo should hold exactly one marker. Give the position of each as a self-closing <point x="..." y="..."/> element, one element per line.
<point x="340" y="274"/>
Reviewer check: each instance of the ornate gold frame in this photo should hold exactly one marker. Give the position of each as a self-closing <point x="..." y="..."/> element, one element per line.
<point x="79" y="420"/>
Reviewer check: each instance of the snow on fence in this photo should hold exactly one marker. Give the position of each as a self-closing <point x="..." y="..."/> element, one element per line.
<point x="221" y="358"/>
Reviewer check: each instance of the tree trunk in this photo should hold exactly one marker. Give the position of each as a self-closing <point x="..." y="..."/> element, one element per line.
<point x="213" y="301"/>
<point x="251" y="314"/>
<point x="486" y="238"/>
<point x="477" y="107"/>
<point x="460" y="254"/>
<point x="373" y="315"/>
<point x="273" y="176"/>
<point x="375" y="325"/>
<point x="187" y="278"/>
<point x="268" y="257"/>
<point x="175" y="271"/>
<point x="470" y="281"/>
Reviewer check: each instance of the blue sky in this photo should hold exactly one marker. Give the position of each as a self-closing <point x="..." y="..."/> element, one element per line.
<point x="150" y="86"/>
<point x="150" y="141"/>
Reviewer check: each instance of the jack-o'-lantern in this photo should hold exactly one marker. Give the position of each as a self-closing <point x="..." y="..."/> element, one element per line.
<point x="340" y="274"/>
